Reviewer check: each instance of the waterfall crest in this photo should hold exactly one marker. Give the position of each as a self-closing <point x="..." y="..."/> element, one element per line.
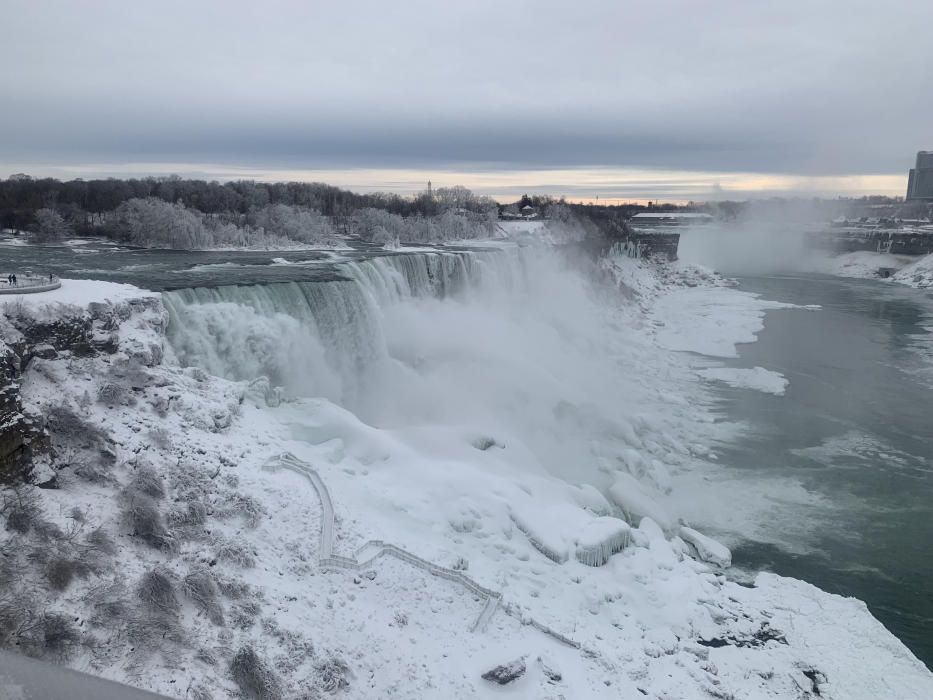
<point x="320" y="338"/>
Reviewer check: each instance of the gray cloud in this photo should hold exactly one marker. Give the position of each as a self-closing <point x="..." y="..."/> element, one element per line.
<point x="811" y="88"/>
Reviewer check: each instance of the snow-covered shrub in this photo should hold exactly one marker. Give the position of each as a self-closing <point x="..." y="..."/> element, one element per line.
<point x="244" y="506"/>
<point x="49" y="636"/>
<point x="60" y="636"/>
<point x="156" y="590"/>
<point x="143" y="516"/>
<point x="255" y="679"/>
<point x="80" y="445"/>
<point x="147" y="482"/>
<point x="99" y="541"/>
<point x="235" y="553"/>
<point x="94" y="472"/>
<point x="333" y="672"/>
<point x="200" y="588"/>
<point x="187" y="520"/>
<point x="200" y="692"/>
<point x="111" y="395"/>
<point x="233" y="589"/>
<point x="244" y="614"/>
<point x="21" y="511"/>
<point x="110" y="603"/>
<point x="61" y="570"/>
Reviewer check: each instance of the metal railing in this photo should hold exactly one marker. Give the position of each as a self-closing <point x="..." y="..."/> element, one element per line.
<point x="378" y="548"/>
<point x="29" y="284"/>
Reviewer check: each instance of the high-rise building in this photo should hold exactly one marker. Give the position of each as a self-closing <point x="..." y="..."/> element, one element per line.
<point x="920" y="179"/>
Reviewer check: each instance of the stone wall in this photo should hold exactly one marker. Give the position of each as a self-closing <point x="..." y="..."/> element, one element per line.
<point x="876" y="241"/>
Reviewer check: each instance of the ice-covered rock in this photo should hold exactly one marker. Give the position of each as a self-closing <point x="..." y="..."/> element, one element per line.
<point x="544" y="531"/>
<point x="600" y="539"/>
<point x="707" y="548"/>
<point x="506" y="673"/>
<point x="633" y="499"/>
<point x="589" y="497"/>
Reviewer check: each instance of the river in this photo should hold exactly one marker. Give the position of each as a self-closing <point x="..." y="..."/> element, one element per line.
<point x="854" y="426"/>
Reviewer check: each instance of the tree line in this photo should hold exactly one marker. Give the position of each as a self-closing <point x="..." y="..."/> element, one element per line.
<point x="182" y="213"/>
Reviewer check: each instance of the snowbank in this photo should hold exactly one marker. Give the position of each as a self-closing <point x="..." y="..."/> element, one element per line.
<point x="909" y="270"/>
<point x="77" y="293"/>
<point x="861" y="264"/>
<point x="918" y="274"/>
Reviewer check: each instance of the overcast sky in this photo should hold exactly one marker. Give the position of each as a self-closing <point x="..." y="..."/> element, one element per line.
<point x="671" y="99"/>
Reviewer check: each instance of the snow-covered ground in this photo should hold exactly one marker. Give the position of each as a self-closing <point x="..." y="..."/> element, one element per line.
<point x="659" y="618"/>
<point x="76" y="293"/>
<point x="911" y="270"/>
<point x="916" y="274"/>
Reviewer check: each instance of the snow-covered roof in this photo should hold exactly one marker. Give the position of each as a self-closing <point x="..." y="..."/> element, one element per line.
<point x="672" y="215"/>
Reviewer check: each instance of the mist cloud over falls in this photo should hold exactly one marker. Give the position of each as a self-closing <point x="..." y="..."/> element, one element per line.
<point x="511" y="345"/>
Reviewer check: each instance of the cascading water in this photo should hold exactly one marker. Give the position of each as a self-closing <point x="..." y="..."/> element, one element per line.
<point x="509" y="343"/>
<point x="315" y="338"/>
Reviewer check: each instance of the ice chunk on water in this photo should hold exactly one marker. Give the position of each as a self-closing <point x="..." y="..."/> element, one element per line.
<point x="600" y="539"/>
<point x="707" y="548"/>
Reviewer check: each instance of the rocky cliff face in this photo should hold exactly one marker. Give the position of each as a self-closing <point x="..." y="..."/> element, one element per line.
<point x="67" y="331"/>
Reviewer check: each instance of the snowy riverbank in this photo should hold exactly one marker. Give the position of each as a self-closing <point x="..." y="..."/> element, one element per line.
<point x="195" y="568"/>
<point x="910" y="270"/>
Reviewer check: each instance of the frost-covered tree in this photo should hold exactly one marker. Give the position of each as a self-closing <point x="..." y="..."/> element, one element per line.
<point x="380" y="226"/>
<point x="51" y="226"/>
<point x="295" y="223"/>
<point x="154" y="223"/>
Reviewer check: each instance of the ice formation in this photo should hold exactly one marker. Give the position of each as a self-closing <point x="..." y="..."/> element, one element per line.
<point x="600" y="539"/>
<point x="707" y="548"/>
<point x="632" y="497"/>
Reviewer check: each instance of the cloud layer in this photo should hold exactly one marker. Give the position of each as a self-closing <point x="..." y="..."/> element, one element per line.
<point x="793" y="89"/>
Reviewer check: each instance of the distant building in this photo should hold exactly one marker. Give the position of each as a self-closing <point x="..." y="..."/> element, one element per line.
<point x="920" y="179"/>
<point x="529" y="212"/>
<point x="649" y="218"/>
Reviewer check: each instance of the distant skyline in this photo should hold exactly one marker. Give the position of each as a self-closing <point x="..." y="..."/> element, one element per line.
<point x="639" y="100"/>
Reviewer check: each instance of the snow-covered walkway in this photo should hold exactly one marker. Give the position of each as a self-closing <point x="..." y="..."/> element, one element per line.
<point x="370" y="551"/>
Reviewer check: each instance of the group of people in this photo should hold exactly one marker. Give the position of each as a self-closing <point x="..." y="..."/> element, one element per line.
<point x="13" y="282"/>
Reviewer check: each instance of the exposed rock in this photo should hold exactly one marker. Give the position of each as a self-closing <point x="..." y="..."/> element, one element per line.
<point x="44" y="352"/>
<point x="757" y="639"/>
<point x="506" y="673"/>
<point x="707" y="548"/>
